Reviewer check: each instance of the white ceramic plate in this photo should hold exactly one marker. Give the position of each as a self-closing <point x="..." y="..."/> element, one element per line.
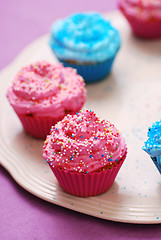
<point x="130" y="98"/>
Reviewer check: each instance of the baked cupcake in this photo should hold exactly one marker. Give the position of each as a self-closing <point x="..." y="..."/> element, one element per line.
<point x="153" y="145"/>
<point x="85" y="153"/>
<point x="144" y="16"/>
<point x="42" y="94"/>
<point x="87" y="42"/>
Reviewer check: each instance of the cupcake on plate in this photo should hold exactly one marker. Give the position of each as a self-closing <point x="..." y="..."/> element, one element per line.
<point x="42" y="94"/>
<point x="85" y="153"/>
<point x="144" y="16"/>
<point x="153" y="145"/>
<point x="87" y="42"/>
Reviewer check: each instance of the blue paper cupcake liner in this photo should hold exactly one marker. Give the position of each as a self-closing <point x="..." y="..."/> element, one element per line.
<point x="154" y="159"/>
<point x="92" y="72"/>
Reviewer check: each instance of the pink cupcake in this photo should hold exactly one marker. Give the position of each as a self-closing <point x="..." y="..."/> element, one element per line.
<point x="42" y="94"/>
<point x="85" y="153"/>
<point x="144" y="16"/>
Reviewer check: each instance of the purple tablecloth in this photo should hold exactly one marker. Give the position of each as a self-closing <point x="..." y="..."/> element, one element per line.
<point x="22" y="215"/>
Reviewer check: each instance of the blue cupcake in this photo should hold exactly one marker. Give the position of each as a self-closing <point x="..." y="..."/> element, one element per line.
<point x="153" y="145"/>
<point x="87" y="42"/>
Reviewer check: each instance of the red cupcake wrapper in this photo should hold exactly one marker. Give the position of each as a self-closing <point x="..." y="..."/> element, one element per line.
<point x="147" y="29"/>
<point x="37" y="127"/>
<point x="87" y="185"/>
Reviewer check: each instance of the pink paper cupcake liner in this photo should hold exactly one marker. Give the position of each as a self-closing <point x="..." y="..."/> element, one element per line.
<point x="87" y="185"/>
<point x="150" y="29"/>
<point x="37" y="127"/>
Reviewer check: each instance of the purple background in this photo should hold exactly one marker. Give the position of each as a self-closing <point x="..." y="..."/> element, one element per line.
<point x="22" y="215"/>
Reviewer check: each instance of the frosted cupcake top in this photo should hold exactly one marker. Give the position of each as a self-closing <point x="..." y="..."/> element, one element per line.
<point x="84" y="37"/>
<point x="153" y="145"/>
<point x="47" y="89"/>
<point x="83" y="143"/>
<point x="142" y="9"/>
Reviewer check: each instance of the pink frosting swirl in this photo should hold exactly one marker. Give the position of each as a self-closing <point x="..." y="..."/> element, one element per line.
<point x="83" y="143"/>
<point x="144" y="10"/>
<point x="47" y="89"/>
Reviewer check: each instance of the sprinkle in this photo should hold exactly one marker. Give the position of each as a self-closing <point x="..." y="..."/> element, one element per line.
<point x="102" y="155"/>
<point x="90" y="156"/>
<point x="81" y="136"/>
<point x="95" y="137"/>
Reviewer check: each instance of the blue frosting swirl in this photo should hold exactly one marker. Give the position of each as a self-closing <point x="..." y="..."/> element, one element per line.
<point x="84" y="37"/>
<point x="153" y="145"/>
